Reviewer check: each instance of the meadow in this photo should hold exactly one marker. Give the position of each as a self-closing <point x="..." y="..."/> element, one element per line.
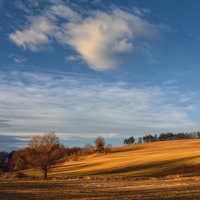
<point x="157" y="170"/>
<point x="155" y="159"/>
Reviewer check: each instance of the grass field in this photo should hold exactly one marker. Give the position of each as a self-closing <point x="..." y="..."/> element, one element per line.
<point x="159" y="170"/>
<point x="180" y="157"/>
<point x="181" y="188"/>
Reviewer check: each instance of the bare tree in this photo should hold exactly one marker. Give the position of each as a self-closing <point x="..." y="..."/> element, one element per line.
<point x="108" y="148"/>
<point x="44" y="152"/>
<point x="88" y="146"/>
<point x="99" y="143"/>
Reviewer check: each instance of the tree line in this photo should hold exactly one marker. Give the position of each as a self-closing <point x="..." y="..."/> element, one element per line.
<point x="169" y="136"/>
<point x="43" y="152"/>
<point x="162" y="137"/>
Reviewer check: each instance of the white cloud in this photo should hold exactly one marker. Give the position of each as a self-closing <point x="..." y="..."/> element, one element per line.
<point x="99" y="37"/>
<point x="38" y="34"/>
<point x="102" y="37"/>
<point x="21" y="6"/>
<point x="72" y="58"/>
<point x="33" y="103"/>
<point x="60" y="10"/>
<point x="17" y="59"/>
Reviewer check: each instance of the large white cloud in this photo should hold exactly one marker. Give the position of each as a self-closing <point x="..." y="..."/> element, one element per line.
<point x="99" y="37"/>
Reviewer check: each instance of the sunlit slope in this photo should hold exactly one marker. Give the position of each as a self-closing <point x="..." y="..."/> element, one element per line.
<point x="149" y="159"/>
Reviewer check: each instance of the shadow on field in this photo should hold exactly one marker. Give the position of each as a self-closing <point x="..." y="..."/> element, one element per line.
<point x="172" y="167"/>
<point x="73" y="170"/>
<point x="75" y="166"/>
<point x="127" y="148"/>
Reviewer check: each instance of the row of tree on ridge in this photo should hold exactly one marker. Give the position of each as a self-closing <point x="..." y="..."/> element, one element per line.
<point x="162" y="137"/>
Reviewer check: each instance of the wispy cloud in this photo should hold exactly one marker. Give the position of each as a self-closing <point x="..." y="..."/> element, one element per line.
<point x="72" y="58"/>
<point x="10" y="142"/>
<point x="100" y="37"/>
<point x="77" y="106"/>
<point x="4" y="123"/>
<point x="17" y="59"/>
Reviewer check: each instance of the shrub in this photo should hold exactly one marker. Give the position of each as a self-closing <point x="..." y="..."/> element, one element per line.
<point x="19" y="175"/>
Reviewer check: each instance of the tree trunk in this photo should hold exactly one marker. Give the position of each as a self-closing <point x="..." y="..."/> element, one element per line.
<point x="45" y="173"/>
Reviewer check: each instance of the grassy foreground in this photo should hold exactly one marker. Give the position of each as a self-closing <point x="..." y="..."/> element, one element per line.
<point x="181" y="188"/>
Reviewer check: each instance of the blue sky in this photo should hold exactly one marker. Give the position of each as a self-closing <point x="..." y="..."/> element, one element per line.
<point x="88" y="68"/>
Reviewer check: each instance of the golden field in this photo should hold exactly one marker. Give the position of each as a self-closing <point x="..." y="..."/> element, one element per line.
<point x="155" y="159"/>
<point x="157" y="170"/>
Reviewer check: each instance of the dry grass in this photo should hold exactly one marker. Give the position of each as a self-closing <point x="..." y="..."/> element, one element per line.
<point x="181" y="188"/>
<point x="167" y="170"/>
<point x="151" y="159"/>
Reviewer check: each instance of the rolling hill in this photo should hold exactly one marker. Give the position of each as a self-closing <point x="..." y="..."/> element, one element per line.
<point x="167" y="158"/>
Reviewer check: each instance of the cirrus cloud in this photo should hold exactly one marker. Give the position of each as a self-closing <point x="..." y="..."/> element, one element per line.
<point x="82" y="106"/>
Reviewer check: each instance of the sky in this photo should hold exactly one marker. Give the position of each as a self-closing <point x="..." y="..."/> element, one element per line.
<point x="89" y="68"/>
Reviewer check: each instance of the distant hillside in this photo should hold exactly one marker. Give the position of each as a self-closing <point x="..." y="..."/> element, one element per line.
<point x="177" y="157"/>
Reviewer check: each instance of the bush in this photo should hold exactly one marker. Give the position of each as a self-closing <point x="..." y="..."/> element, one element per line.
<point x="108" y="148"/>
<point x="85" y="152"/>
<point x="19" y="175"/>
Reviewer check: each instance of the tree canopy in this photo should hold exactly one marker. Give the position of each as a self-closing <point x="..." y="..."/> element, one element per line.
<point x="44" y="152"/>
<point x="129" y="141"/>
<point x="99" y="143"/>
